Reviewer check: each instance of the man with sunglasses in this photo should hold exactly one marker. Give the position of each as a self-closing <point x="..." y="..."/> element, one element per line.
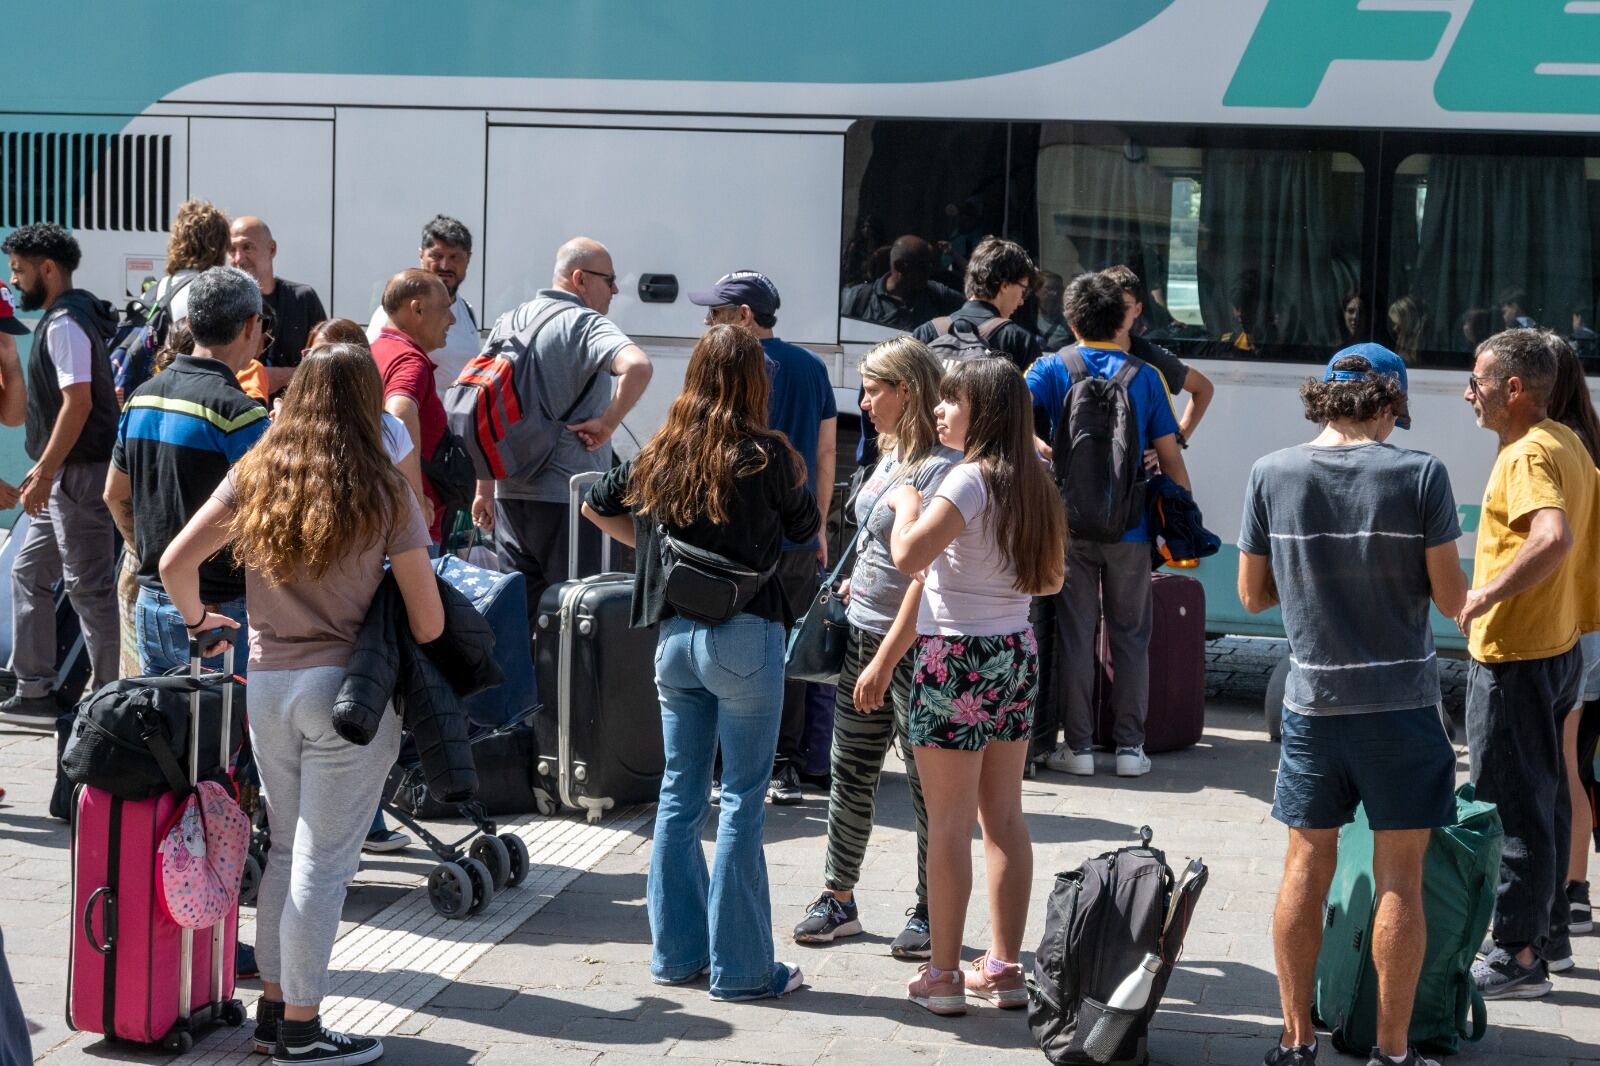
<point x="1536" y="589"/>
<point x="588" y="375"/>
<point x="446" y="253"/>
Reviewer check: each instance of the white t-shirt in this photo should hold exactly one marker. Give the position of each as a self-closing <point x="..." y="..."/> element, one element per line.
<point x="396" y="441"/>
<point x="70" y="351"/>
<point x="970" y="590"/>
<point x="460" y="344"/>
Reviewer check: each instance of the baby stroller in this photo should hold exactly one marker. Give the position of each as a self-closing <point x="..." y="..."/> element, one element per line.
<point x="484" y="861"/>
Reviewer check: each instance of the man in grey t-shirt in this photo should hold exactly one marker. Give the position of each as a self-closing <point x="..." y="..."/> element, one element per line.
<point x="579" y="351"/>
<point x="1354" y="537"/>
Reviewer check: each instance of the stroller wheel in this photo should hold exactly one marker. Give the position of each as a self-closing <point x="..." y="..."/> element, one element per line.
<point x="450" y="890"/>
<point x="520" y="861"/>
<point x="250" y="880"/>
<point x="482" y="884"/>
<point x="492" y="852"/>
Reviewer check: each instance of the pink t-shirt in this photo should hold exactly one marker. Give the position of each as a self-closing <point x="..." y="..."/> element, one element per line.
<point x="303" y="623"/>
<point x="971" y="590"/>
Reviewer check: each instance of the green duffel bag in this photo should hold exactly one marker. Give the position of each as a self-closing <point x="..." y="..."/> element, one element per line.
<point x="1460" y="873"/>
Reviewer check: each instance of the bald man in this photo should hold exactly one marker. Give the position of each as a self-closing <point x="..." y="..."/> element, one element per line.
<point x="906" y="296"/>
<point x="289" y="308"/>
<point x="590" y="376"/>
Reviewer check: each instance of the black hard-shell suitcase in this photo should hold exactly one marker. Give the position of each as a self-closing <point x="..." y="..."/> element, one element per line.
<point x="599" y="731"/>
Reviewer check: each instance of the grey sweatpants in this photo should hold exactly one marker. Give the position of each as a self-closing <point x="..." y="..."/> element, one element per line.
<point x="1113" y="579"/>
<point x="73" y="542"/>
<point x="318" y="788"/>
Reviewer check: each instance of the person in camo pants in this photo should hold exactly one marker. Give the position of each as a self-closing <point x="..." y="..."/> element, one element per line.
<point x="900" y="386"/>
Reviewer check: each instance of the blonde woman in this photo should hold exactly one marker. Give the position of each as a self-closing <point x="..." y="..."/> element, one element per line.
<point x="899" y="389"/>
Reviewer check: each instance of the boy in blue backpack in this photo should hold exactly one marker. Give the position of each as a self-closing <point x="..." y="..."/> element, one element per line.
<point x="1108" y="560"/>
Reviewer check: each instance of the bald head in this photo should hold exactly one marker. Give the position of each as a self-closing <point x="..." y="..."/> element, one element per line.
<point x="418" y="305"/>
<point x="909" y="247"/>
<point x="252" y="249"/>
<point x="584" y="268"/>
<point x="911" y="262"/>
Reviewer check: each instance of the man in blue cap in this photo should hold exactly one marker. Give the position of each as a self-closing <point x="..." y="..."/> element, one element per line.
<point x="803" y="408"/>
<point x="1353" y="537"/>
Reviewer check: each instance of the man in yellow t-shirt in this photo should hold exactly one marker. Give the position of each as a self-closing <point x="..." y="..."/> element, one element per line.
<point x="1534" y="596"/>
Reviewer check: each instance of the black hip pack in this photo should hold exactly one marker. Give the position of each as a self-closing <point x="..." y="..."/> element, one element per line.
<point x="704" y="586"/>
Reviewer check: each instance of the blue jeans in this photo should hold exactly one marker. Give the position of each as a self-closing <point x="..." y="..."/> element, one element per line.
<point x="164" y="641"/>
<point x="720" y="685"/>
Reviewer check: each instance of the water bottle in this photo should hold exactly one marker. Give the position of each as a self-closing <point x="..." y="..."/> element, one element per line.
<point x="1122" y="1010"/>
<point x="1134" y="991"/>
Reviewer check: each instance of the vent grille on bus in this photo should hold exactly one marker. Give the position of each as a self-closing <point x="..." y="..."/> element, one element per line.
<point x="86" y="181"/>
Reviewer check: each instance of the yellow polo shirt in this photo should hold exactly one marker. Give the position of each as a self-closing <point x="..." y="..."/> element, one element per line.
<point x="1547" y="467"/>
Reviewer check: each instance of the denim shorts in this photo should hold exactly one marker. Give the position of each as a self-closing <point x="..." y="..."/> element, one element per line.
<point x="1399" y="764"/>
<point x="968" y="691"/>
<point x="1590" y="643"/>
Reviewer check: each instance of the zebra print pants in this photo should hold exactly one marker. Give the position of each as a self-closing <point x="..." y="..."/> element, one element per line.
<point x="860" y="744"/>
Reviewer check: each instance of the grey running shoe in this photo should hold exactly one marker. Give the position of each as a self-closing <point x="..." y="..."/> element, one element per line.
<point x="1413" y="1058"/>
<point x="827" y="918"/>
<point x="1499" y="975"/>
<point x="914" y="941"/>
<point x="1299" y="1055"/>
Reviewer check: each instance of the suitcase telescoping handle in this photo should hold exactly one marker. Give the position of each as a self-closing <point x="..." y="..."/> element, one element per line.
<point x="579" y="486"/>
<point x="197" y="643"/>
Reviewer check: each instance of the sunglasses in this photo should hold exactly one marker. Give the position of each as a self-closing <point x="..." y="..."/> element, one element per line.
<point x="1475" y="384"/>
<point x="609" y="279"/>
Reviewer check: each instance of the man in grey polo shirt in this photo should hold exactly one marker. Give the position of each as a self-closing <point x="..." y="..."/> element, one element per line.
<point x="579" y="351"/>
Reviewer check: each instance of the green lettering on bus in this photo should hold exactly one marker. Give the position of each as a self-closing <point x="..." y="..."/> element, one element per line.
<point x="1493" y="65"/>
<point x="1297" y="40"/>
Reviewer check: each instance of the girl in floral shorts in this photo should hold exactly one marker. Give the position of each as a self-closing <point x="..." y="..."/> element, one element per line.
<point x="992" y="536"/>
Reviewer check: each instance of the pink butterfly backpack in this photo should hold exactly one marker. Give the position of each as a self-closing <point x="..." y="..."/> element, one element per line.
<point x="202" y="857"/>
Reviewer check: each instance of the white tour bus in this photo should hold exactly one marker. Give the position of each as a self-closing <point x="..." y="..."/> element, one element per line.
<point x="1285" y="175"/>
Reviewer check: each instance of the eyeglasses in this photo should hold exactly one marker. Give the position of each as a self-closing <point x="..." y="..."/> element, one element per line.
<point x="609" y="279"/>
<point x="711" y="312"/>
<point x="1475" y="384"/>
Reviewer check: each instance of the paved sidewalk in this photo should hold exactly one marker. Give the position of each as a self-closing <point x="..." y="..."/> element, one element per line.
<point x="568" y="983"/>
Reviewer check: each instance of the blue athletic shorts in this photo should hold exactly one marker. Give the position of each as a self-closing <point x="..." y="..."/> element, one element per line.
<point x="1399" y="764"/>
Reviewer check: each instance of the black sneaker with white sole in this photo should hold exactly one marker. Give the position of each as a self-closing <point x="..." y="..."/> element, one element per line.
<point x="308" y="1042"/>
<point x="1578" y="899"/>
<point x="784" y="788"/>
<point x="1299" y="1055"/>
<point x="269" y="1017"/>
<point x="914" y="941"/>
<point x="1499" y="975"/>
<point x="827" y="918"/>
<point x="30" y="712"/>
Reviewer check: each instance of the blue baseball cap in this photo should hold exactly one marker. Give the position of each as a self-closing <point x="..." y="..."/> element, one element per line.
<point x="1382" y="361"/>
<point x="751" y="288"/>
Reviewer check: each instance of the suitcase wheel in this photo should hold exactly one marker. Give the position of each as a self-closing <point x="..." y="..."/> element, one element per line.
<point x="450" y="890"/>
<point x="482" y="884"/>
<point x="544" y="803"/>
<point x="495" y="856"/>
<point x="521" y="862"/>
<point x="233" y="1013"/>
<point x="250" y="880"/>
<point x="177" y="1042"/>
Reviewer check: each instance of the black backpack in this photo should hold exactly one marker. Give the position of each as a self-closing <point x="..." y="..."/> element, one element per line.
<point x="959" y="340"/>
<point x="1101" y="921"/>
<point x="140" y="335"/>
<point x="1096" y="454"/>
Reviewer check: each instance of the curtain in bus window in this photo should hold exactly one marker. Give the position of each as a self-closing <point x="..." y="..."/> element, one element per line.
<point x="1273" y="259"/>
<point x="1098" y="209"/>
<point x="1493" y="227"/>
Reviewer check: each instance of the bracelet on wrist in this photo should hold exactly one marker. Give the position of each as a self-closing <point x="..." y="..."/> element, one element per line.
<point x="196" y="625"/>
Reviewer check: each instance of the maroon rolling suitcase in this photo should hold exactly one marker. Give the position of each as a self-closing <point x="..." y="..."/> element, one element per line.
<point x="1177" y="716"/>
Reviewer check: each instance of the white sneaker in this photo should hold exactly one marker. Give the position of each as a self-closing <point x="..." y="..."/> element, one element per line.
<point x="1066" y="761"/>
<point x="1132" y="762"/>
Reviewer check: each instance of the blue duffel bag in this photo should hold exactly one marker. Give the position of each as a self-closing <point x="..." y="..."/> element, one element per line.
<point x="502" y="599"/>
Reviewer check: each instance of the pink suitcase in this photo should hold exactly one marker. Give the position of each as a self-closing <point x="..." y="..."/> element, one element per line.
<point x="133" y="973"/>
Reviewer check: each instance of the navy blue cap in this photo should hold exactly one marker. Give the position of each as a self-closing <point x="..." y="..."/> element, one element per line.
<point x="749" y="287"/>
<point x="1383" y="361"/>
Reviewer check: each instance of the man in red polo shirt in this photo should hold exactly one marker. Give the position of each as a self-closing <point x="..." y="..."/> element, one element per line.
<point x="418" y="307"/>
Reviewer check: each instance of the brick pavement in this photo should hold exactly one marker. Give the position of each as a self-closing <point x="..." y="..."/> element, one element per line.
<point x="569" y="984"/>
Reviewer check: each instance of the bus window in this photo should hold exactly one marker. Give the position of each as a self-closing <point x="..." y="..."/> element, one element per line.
<point x="918" y="198"/>
<point x="1244" y="252"/>
<point x="1483" y="243"/>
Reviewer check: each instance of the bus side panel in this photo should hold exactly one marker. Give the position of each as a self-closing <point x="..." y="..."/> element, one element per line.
<point x="395" y="169"/>
<point x="281" y="171"/>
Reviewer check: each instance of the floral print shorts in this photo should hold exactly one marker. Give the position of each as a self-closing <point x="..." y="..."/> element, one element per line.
<point x="967" y="691"/>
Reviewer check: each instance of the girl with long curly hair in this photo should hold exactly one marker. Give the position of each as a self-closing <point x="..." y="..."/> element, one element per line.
<point x="992" y="537"/>
<point x="716" y="479"/>
<point x="311" y="512"/>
